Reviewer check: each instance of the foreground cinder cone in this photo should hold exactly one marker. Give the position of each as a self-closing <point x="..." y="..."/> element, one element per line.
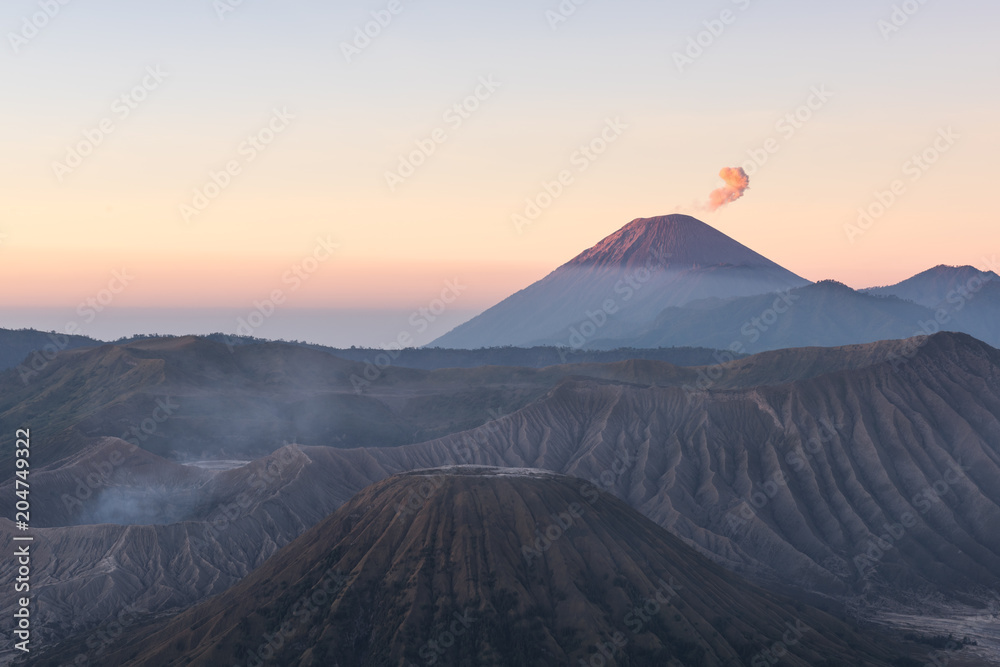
<point x="493" y="566"/>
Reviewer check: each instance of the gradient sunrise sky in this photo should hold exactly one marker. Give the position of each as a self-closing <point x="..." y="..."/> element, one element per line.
<point x="210" y="78"/>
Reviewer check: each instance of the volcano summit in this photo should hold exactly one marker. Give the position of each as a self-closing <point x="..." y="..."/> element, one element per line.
<point x="624" y="282"/>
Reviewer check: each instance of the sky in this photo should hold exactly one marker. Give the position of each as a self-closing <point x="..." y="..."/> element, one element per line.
<point x="208" y="156"/>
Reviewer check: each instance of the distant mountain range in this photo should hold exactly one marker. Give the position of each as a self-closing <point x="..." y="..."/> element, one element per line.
<point x="826" y="314"/>
<point x="675" y="281"/>
<point x="941" y="287"/>
<point x="29" y="350"/>
<point x="191" y="398"/>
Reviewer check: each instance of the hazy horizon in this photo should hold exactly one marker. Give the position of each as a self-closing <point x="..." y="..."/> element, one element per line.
<point x="341" y="328"/>
<point x="335" y="327"/>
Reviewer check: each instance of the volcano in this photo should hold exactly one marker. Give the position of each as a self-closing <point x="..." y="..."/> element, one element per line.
<point x="622" y="283"/>
<point x="472" y="565"/>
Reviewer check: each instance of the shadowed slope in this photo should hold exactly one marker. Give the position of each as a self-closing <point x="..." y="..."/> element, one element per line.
<point x="462" y="578"/>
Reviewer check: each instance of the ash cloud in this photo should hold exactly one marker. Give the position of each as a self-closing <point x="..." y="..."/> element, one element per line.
<point x="737" y="183"/>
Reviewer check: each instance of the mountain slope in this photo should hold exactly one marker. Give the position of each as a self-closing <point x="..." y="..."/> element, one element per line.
<point x="464" y="579"/>
<point x="623" y="281"/>
<point x="853" y="451"/>
<point x="18" y="345"/>
<point x="962" y="298"/>
<point x="935" y="287"/>
<point x="825" y="314"/>
<point x="190" y="398"/>
<point x="978" y="313"/>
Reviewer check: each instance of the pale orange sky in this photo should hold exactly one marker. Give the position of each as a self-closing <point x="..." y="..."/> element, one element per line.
<point x="324" y="175"/>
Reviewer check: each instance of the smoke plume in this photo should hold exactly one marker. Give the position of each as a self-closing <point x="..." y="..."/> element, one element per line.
<point x="737" y="183"/>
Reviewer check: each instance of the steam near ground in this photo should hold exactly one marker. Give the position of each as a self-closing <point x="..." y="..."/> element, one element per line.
<point x="129" y="505"/>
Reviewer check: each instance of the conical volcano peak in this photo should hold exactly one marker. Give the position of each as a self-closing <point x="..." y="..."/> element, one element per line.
<point x="649" y="265"/>
<point x="476" y="553"/>
<point x="675" y="240"/>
